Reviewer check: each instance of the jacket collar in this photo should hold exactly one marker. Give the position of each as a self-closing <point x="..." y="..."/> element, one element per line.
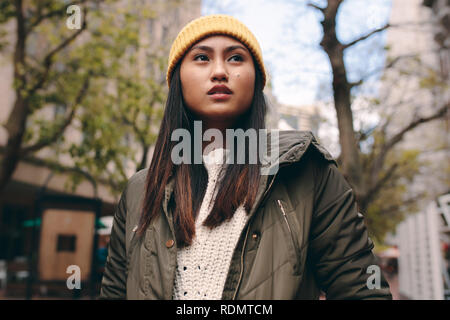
<point x="294" y="143"/>
<point x="292" y="146"/>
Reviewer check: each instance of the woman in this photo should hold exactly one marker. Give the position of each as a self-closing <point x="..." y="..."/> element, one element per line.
<point x="216" y="230"/>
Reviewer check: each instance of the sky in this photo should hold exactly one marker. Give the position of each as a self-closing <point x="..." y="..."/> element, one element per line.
<point x="289" y="34"/>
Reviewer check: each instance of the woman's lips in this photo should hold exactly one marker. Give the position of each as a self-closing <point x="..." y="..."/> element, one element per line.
<point x="219" y="96"/>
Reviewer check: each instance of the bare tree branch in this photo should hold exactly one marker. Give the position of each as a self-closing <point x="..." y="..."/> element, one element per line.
<point x="377" y="185"/>
<point x="399" y="136"/>
<point x="386" y="26"/>
<point x="357" y="83"/>
<point x="379" y="70"/>
<point x="347" y="45"/>
<point x="364" y="135"/>
<point x="379" y="159"/>
<point x="316" y="7"/>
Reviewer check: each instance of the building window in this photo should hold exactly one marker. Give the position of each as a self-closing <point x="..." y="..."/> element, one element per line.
<point x="66" y="243"/>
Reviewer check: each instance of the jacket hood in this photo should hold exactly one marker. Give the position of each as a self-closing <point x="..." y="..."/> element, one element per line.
<point x="292" y="144"/>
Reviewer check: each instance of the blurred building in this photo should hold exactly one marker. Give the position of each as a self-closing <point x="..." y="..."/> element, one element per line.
<point x="304" y="118"/>
<point x="272" y="115"/>
<point x="440" y="10"/>
<point x="18" y="201"/>
<point x="424" y="261"/>
<point x="415" y="87"/>
<point x="408" y="87"/>
<point x="284" y="117"/>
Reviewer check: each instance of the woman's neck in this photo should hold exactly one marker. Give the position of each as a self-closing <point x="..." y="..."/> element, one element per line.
<point x="216" y="143"/>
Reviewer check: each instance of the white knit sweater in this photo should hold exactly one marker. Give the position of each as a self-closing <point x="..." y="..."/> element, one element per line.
<point x="202" y="268"/>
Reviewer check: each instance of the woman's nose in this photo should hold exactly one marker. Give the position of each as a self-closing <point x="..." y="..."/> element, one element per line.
<point x="219" y="71"/>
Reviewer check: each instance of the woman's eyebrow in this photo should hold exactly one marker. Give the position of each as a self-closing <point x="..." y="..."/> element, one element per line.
<point x="227" y="49"/>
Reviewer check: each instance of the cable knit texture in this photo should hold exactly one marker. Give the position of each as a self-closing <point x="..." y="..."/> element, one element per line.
<point x="202" y="268"/>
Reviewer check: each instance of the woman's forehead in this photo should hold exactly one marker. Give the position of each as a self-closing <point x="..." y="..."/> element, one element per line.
<point x="218" y="41"/>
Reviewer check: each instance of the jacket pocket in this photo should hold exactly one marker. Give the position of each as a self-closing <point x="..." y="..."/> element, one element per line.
<point x="291" y="235"/>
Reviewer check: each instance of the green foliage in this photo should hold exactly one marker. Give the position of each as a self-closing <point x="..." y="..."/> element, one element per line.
<point x="99" y="74"/>
<point x="390" y="205"/>
<point x="7" y="12"/>
<point x="125" y="105"/>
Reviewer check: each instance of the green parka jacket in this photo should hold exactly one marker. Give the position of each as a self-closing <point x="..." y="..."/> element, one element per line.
<point x="303" y="235"/>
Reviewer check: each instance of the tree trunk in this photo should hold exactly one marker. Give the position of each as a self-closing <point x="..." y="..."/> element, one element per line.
<point x="17" y="119"/>
<point x="350" y="160"/>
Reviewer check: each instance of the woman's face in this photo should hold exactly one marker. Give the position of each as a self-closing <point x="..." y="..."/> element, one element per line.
<point x="218" y="61"/>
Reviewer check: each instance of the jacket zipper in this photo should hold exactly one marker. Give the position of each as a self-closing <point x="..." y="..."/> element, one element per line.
<point x="280" y="204"/>
<point x="245" y="242"/>
<point x="284" y="215"/>
<point x="287" y="222"/>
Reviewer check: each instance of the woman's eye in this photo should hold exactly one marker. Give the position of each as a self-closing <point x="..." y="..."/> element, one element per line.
<point x="238" y="57"/>
<point x="204" y="57"/>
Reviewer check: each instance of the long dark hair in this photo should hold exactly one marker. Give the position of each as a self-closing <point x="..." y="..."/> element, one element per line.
<point x="191" y="179"/>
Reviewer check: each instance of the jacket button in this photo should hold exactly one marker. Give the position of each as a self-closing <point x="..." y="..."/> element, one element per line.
<point x="170" y="243"/>
<point x="255" y="236"/>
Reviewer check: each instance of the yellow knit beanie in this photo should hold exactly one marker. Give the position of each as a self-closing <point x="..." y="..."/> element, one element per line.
<point x="214" y="24"/>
